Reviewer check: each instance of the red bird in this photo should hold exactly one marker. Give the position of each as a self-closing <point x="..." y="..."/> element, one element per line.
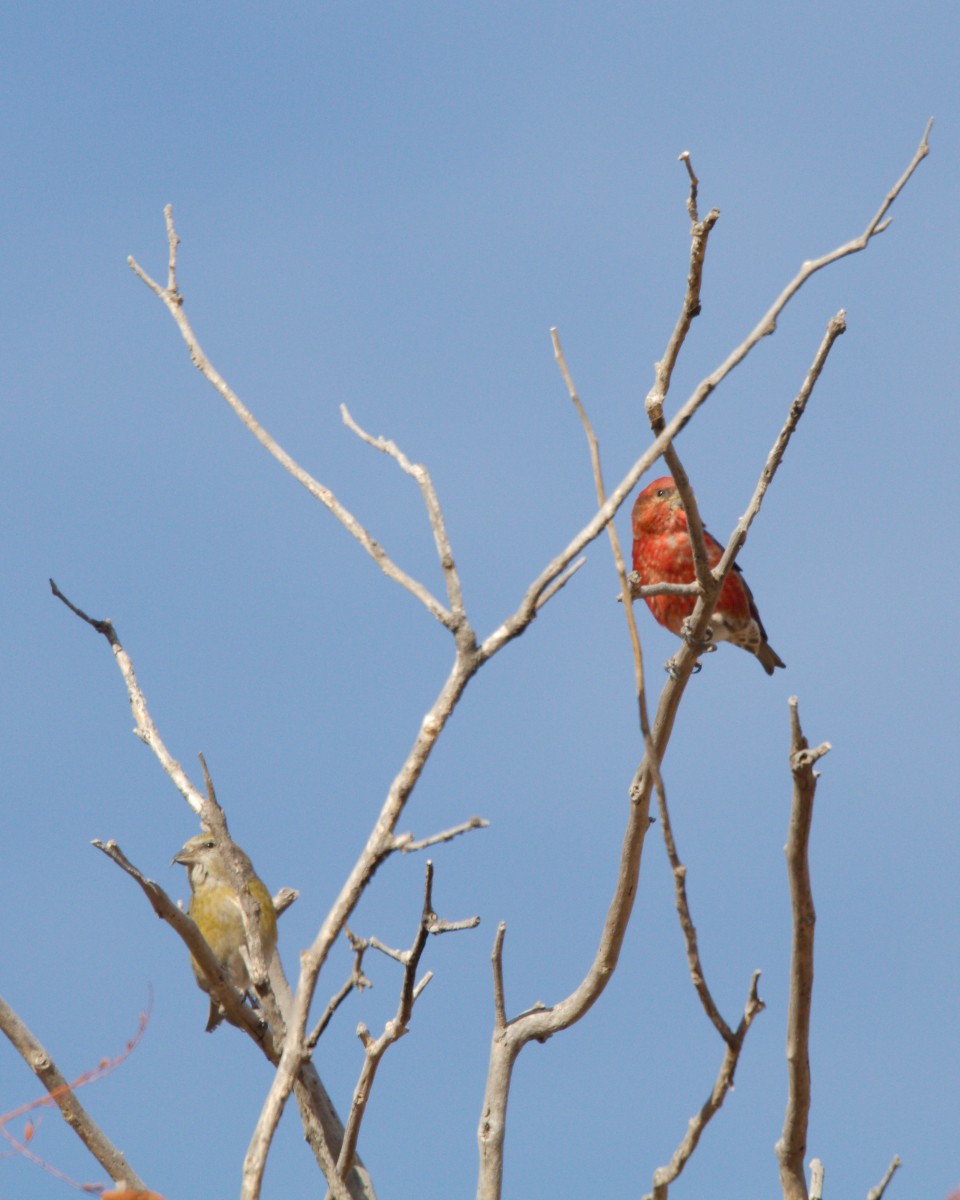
<point x="662" y="554"/>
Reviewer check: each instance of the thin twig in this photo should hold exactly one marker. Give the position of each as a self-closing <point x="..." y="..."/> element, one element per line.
<point x="374" y="1049"/>
<point x="836" y="326"/>
<point x="406" y="844"/>
<point x="356" y="981"/>
<point x="559" y="582"/>
<point x="145" y="728"/>
<point x="687" y="926"/>
<point x="625" y="580"/>
<point x="421" y="475"/>
<point x="876" y="1193"/>
<point x="684" y="157"/>
<point x="399" y="956"/>
<point x="618" y="561"/>
<point x="664" y="1176"/>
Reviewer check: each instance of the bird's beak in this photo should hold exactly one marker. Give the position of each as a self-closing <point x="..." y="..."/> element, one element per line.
<point x="183" y="856"/>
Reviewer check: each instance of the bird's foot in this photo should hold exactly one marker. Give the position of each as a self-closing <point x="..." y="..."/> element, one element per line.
<point x="704" y="645"/>
<point x="672" y="668"/>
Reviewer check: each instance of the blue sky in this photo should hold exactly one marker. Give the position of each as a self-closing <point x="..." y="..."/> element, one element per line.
<point x="389" y="206"/>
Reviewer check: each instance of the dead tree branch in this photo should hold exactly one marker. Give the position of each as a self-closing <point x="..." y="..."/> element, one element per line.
<point x="509" y="1036"/>
<point x="664" y="1176"/>
<point x="876" y="1193"/>
<point x="374" y="1049"/>
<point x="792" y="1145"/>
<point x="63" y="1095"/>
<point x="145" y="729"/>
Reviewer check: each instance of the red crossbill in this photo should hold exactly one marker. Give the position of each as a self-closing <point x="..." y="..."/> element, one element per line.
<point x="662" y="554"/>
<point x="215" y="907"/>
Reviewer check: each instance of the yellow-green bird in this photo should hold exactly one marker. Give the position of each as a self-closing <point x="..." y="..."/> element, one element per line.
<point x="215" y="907"/>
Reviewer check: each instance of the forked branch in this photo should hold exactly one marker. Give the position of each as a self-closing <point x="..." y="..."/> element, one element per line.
<point x="375" y="1048"/>
<point x="509" y="1036"/>
<point x="664" y="1176"/>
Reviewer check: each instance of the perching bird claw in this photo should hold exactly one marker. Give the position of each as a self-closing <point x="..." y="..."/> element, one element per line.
<point x="704" y="645"/>
<point x="671" y="666"/>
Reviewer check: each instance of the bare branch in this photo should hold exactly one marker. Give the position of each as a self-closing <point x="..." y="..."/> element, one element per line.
<point x="394" y="1029"/>
<point x="322" y="1125"/>
<point x="379" y="845"/>
<point x="876" y="1193"/>
<point x="540" y="1024"/>
<point x="618" y="562"/>
<point x="684" y="157"/>
<point x="664" y="1176"/>
<point x="836" y="326"/>
<point x="437" y="926"/>
<point x="500" y="1010"/>
<point x="405" y="843"/>
<point x="702" y="613"/>
<point x="441" y="539"/>
<point x="559" y="582"/>
<point x="357" y="981"/>
<point x="145" y="728"/>
<point x="626" y="584"/>
<point x="679" y="871"/>
<point x="699" y="235"/>
<point x="63" y="1095"/>
<point x="768" y="322"/>
<point x="792" y="1145"/>
<point x="687" y="925"/>
<point x="173" y="300"/>
<point x="642" y="591"/>
<point x="399" y="956"/>
<point x="284" y="899"/>
<point x="816" y="1179"/>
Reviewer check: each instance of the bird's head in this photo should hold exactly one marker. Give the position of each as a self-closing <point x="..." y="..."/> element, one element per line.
<point x="658" y="509"/>
<point x="202" y="859"/>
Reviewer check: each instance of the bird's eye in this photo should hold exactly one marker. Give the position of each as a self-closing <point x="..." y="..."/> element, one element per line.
<point x="661" y="491"/>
